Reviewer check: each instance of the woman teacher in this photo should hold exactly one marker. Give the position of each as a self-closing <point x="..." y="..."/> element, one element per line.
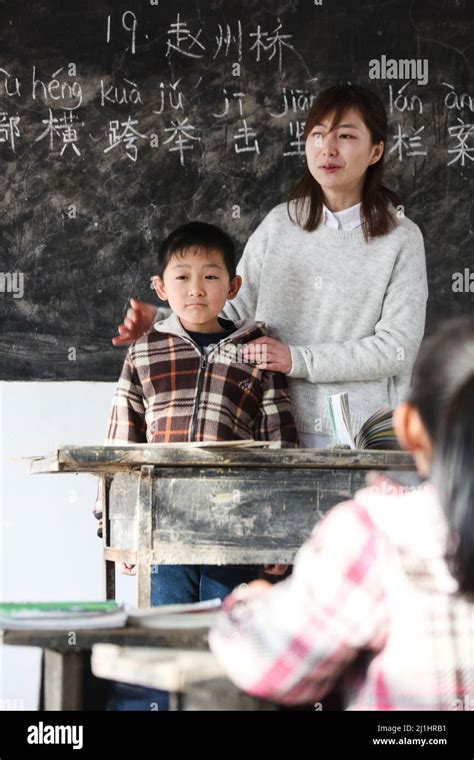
<point x="338" y="274"/>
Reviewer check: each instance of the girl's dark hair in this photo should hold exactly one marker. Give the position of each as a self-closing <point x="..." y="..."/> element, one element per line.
<point x="198" y="236"/>
<point x="442" y="391"/>
<point x="377" y="218"/>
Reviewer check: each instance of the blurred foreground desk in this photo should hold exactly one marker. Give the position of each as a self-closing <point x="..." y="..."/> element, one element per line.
<point x="66" y="662"/>
<point x="194" y="679"/>
<point x="168" y="504"/>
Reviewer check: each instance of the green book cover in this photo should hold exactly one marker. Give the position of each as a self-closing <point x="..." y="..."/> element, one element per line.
<point x="37" y="608"/>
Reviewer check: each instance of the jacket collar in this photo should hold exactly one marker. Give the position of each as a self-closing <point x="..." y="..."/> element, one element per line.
<point x="245" y="329"/>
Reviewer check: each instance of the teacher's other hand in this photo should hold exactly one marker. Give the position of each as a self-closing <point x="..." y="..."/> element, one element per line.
<point x="268" y="353"/>
<point x="140" y="317"/>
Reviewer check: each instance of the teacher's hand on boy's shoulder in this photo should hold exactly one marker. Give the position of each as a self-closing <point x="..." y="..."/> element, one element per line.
<point x="139" y="318"/>
<point x="268" y="353"/>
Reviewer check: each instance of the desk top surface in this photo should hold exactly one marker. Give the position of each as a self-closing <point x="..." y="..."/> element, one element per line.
<point x="60" y="641"/>
<point x="109" y="459"/>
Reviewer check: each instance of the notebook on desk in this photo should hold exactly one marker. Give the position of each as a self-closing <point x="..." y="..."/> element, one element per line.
<point x="59" y="616"/>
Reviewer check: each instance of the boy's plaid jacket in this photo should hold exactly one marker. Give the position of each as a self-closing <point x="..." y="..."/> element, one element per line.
<point x="170" y="392"/>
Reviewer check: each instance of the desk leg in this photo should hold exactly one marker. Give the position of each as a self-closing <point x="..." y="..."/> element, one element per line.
<point x="176" y="702"/>
<point x="144" y="553"/>
<point x="63" y="676"/>
<point x="109" y="579"/>
<point x="109" y="566"/>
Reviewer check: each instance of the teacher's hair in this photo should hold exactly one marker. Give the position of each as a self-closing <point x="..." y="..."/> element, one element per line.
<point x="377" y="217"/>
<point x="442" y="391"/>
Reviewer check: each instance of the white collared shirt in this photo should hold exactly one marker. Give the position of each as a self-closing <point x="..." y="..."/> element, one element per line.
<point x="347" y="219"/>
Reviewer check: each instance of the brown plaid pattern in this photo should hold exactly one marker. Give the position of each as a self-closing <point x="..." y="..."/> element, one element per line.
<point x="169" y="392"/>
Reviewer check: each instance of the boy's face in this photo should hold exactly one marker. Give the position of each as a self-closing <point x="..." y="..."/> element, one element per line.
<point x="196" y="284"/>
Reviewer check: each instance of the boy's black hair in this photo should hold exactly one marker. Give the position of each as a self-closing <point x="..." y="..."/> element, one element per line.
<point x="197" y="235"/>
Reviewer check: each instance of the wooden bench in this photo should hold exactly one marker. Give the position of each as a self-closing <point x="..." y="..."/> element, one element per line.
<point x="194" y="679"/>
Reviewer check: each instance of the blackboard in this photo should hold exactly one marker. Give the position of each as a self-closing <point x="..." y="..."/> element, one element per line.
<point x="120" y="121"/>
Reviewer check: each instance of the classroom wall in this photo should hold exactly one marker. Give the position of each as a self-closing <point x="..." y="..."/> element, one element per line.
<point x="49" y="547"/>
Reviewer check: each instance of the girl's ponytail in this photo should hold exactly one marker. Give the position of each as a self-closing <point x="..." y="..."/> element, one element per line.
<point x="452" y="474"/>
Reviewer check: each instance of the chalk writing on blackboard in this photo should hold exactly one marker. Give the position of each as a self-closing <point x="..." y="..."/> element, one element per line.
<point x="187" y="41"/>
<point x="402" y="101"/>
<point x="125" y="132"/>
<point x="461" y="132"/>
<point x="64" y="128"/>
<point x="170" y="95"/>
<point x="453" y="100"/>
<point x="120" y="94"/>
<point x="9" y="129"/>
<point x="181" y="138"/>
<point x="272" y="43"/>
<point x="68" y="91"/>
<point x="10" y="88"/>
<point x="119" y="124"/>
<point x="225" y="39"/>
<point x="294" y="100"/>
<point x="129" y="22"/>
<point x="297" y="143"/>
<point x="409" y="145"/>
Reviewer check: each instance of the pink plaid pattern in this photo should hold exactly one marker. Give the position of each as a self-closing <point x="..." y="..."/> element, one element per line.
<point x="371" y="601"/>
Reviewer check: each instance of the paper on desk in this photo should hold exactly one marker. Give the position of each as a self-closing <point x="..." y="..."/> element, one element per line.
<point x="198" y="615"/>
<point x="238" y="444"/>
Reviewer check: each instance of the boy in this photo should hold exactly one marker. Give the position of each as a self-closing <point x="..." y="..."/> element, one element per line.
<point x="186" y="380"/>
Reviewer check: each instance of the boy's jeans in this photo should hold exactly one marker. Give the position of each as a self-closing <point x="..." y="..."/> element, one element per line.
<point x="179" y="584"/>
<point x="185" y="584"/>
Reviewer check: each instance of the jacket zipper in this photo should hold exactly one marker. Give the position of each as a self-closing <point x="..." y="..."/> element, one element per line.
<point x="202" y="372"/>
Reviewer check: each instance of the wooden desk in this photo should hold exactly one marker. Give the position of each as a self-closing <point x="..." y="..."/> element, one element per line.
<point x="65" y="664"/>
<point x="171" y="505"/>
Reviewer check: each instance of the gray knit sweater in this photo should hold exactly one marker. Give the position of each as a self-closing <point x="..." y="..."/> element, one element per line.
<point x="352" y="312"/>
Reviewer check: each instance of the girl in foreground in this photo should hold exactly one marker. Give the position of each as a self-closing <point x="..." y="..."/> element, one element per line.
<point x="382" y="593"/>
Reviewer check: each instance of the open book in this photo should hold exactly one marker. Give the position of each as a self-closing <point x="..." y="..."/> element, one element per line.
<point x="376" y="433"/>
<point x="62" y="616"/>
<point x="198" y="615"/>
